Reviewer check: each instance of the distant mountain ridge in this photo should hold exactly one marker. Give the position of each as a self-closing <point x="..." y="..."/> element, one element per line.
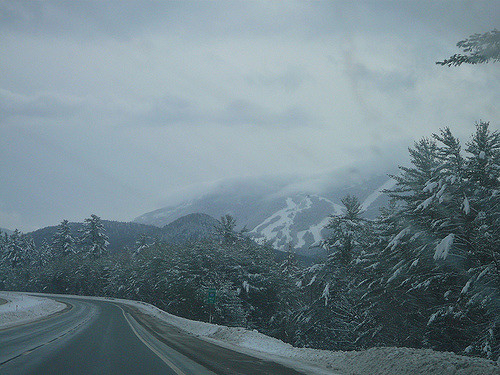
<point x="281" y="214"/>
<point x="8" y="231"/>
<point x="278" y="214"/>
<point x="189" y="228"/>
<point x="122" y="235"/>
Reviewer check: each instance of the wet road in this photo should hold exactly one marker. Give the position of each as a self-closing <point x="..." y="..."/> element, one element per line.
<point x="105" y="337"/>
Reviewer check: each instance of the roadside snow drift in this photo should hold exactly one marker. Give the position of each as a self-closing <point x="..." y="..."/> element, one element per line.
<point x="375" y="361"/>
<point x="22" y="308"/>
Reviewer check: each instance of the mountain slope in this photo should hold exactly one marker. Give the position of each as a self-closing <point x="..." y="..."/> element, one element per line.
<point x="283" y="214"/>
<point x="121" y="234"/>
<point x="189" y="228"/>
<point x="297" y="223"/>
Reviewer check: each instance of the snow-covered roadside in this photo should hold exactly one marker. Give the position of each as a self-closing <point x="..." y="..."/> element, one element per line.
<point x="375" y="361"/>
<point x="387" y="361"/>
<point x="22" y="308"/>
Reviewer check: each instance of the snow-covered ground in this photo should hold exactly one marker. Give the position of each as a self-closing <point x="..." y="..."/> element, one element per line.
<point x="22" y="308"/>
<point x="387" y="361"/>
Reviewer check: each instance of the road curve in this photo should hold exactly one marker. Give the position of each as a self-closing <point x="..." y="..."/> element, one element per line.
<point x="104" y="337"/>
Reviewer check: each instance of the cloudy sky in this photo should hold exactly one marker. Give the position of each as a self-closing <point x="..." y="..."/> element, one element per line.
<point x="107" y="107"/>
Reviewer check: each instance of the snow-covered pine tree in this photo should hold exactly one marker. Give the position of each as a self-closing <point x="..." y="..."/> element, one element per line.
<point x="466" y="246"/>
<point x="483" y="161"/>
<point x="414" y="186"/>
<point x="444" y="245"/>
<point x="4" y="240"/>
<point x="29" y="246"/>
<point x="226" y="230"/>
<point x="93" y="238"/>
<point x="289" y="280"/>
<point x="289" y="267"/>
<point x="141" y="244"/>
<point x="5" y="270"/>
<point x="63" y="242"/>
<point x="349" y="232"/>
<point x="403" y="279"/>
<point x="15" y="253"/>
<point x="331" y="312"/>
<point x="480" y="293"/>
<point x="45" y="254"/>
<point x="388" y="311"/>
<point x="426" y="205"/>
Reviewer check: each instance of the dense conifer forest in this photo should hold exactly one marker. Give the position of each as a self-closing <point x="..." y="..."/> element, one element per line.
<point x="424" y="274"/>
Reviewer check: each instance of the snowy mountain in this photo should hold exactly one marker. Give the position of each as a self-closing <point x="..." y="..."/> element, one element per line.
<point x="297" y="223"/>
<point x="284" y="212"/>
<point x="301" y="223"/>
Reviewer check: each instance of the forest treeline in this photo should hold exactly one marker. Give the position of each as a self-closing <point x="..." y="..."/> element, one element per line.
<point x="424" y="274"/>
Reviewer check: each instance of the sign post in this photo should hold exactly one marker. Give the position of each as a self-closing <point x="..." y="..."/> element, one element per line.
<point x="211" y="298"/>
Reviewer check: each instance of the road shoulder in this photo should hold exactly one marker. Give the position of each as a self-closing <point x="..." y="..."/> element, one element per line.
<point x="221" y="359"/>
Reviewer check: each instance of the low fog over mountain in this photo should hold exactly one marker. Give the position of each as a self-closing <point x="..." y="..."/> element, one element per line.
<point x="286" y="210"/>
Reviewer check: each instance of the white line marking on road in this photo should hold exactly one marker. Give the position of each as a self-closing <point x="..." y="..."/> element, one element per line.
<point x="169" y="363"/>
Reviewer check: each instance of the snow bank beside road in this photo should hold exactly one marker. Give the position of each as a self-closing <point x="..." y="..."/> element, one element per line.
<point x="22" y="308"/>
<point x="375" y="361"/>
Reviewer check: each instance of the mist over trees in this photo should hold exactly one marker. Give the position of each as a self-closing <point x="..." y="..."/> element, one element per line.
<point x="424" y="274"/>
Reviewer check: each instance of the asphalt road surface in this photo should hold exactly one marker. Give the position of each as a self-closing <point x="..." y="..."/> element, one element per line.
<point x="104" y="337"/>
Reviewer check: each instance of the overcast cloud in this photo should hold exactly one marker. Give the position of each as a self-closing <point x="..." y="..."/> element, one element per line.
<point x="107" y="107"/>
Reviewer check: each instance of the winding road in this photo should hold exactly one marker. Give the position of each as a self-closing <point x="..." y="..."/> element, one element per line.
<point x="106" y="337"/>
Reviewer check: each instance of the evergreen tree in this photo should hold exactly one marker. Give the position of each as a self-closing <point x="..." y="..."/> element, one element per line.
<point x="63" y="242"/>
<point x="226" y="229"/>
<point x="29" y="247"/>
<point x="141" y="245"/>
<point x="15" y="254"/>
<point x="4" y="241"/>
<point x="483" y="164"/>
<point x="45" y="254"/>
<point x="478" y="49"/>
<point x="93" y="238"/>
<point x="478" y="241"/>
<point x="348" y="231"/>
<point x="442" y="245"/>
<point x="283" y="323"/>
<point x="329" y="288"/>
<point x="290" y="266"/>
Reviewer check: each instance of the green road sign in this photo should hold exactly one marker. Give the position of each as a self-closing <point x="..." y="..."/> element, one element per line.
<point x="211" y="296"/>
